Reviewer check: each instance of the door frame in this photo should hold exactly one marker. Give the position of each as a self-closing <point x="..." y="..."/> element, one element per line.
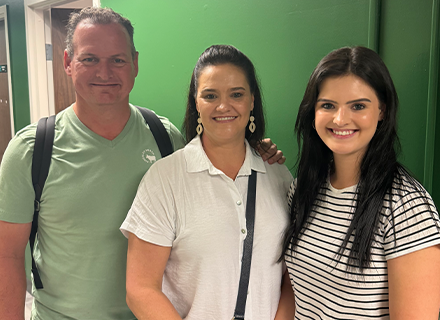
<point x="4" y="16"/>
<point x="40" y="82"/>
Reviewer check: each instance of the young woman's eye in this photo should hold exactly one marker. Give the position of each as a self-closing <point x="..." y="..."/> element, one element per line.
<point x="327" y="106"/>
<point x="358" y="106"/>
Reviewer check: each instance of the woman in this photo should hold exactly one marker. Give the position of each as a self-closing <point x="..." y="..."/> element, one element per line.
<point x="364" y="235"/>
<point x="186" y="233"/>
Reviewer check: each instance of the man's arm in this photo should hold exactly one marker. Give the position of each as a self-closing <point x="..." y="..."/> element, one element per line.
<point x="269" y="152"/>
<point x="13" y="240"/>
<point x="145" y="267"/>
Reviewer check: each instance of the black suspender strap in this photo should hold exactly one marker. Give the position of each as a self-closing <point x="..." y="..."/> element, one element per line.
<point x="40" y="168"/>
<point x="159" y="132"/>
<point x="240" y="306"/>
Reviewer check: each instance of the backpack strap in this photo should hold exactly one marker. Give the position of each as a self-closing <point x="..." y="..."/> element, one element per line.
<point x="158" y="130"/>
<point x="40" y="168"/>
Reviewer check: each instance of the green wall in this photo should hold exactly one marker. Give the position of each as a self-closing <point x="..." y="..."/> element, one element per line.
<point x="285" y="39"/>
<point x="407" y="48"/>
<point x="17" y="53"/>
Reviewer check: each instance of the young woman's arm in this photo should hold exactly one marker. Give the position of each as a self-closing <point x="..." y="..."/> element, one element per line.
<point x="414" y="285"/>
<point x="286" y="306"/>
<point x="145" y="267"/>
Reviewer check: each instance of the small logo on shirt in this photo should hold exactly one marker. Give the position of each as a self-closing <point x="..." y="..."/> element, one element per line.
<point x="148" y="156"/>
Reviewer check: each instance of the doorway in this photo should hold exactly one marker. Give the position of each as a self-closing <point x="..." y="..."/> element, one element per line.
<point x="6" y="115"/>
<point x="50" y="89"/>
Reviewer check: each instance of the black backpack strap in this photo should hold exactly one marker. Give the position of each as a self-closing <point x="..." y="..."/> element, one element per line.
<point x="159" y="132"/>
<point x="40" y="168"/>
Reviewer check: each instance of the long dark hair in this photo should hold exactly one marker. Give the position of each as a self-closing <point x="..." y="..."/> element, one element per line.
<point x="218" y="55"/>
<point x="378" y="167"/>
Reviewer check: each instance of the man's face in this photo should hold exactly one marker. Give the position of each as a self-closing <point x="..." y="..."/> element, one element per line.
<point x="102" y="67"/>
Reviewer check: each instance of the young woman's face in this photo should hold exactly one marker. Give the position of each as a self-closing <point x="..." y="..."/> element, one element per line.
<point x="346" y="115"/>
<point x="224" y="101"/>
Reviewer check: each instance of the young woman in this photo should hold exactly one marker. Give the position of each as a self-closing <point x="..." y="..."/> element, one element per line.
<point x="188" y="222"/>
<point x="364" y="236"/>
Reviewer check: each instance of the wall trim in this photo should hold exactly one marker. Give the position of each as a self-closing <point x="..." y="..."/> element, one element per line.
<point x="374" y="24"/>
<point x="4" y="16"/>
<point x="433" y="84"/>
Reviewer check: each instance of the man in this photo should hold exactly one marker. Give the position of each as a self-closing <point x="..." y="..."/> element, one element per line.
<point x="102" y="148"/>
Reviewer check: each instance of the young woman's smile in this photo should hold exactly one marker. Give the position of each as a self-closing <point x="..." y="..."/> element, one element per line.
<point x="346" y="115"/>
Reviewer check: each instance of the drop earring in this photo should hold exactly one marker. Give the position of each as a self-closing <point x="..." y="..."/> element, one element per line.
<point x="199" y="128"/>
<point x="313" y="124"/>
<point x="252" y="125"/>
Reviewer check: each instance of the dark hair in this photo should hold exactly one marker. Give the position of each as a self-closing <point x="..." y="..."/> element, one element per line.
<point x="218" y="55"/>
<point x="94" y="15"/>
<point x="378" y="167"/>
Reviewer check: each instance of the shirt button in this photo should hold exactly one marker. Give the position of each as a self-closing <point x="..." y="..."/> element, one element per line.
<point x="238" y="202"/>
<point x="243" y="231"/>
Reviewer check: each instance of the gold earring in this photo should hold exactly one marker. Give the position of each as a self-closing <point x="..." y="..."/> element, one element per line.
<point x="252" y="125"/>
<point x="199" y="128"/>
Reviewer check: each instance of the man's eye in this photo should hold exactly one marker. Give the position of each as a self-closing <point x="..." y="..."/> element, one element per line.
<point x="89" y="60"/>
<point x="119" y="61"/>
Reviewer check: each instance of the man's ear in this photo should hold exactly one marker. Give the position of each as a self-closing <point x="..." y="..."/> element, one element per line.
<point x="67" y="64"/>
<point x="135" y="63"/>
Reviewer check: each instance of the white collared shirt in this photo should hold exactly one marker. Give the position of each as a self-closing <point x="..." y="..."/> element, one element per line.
<point x="184" y="202"/>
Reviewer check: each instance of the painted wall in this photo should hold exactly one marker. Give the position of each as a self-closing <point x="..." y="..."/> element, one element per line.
<point x="285" y="39"/>
<point x="17" y="47"/>
<point x="406" y="47"/>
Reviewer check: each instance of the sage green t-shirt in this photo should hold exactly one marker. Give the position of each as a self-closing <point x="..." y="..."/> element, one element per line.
<point x="92" y="181"/>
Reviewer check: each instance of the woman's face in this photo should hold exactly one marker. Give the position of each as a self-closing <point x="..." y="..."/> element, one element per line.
<point x="346" y="115"/>
<point x="224" y="101"/>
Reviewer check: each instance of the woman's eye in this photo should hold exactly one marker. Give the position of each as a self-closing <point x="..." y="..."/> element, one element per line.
<point x="209" y="97"/>
<point x="327" y="106"/>
<point x="358" y="107"/>
<point x="237" y="94"/>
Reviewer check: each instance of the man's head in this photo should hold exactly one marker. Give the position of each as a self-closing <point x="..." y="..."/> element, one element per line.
<point x="102" y="62"/>
<point x="93" y="15"/>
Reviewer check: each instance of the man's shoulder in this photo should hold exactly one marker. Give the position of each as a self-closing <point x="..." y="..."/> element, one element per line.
<point x="174" y="133"/>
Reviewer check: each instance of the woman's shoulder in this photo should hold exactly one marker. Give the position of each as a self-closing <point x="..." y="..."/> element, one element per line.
<point x="408" y="197"/>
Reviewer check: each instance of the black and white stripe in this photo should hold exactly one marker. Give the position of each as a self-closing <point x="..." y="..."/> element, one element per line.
<point x="326" y="286"/>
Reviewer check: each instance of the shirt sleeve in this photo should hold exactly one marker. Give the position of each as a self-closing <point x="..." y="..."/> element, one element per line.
<point x="291" y="192"/>
<point x="152" y="215"/>
<point x="16" y="191"/>
<point x="412" y="224"/>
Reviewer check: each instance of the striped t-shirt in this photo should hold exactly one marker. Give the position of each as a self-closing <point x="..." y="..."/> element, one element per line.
<point x="324" y="287"/>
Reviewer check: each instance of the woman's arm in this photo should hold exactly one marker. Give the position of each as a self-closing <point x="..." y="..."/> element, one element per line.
<point x="414" y="285"/>
<point x="145" y="267"/>
<point x="286" y="306"/>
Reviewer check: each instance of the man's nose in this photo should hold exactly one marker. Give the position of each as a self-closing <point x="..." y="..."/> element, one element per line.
<point x="104" y="70"/>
